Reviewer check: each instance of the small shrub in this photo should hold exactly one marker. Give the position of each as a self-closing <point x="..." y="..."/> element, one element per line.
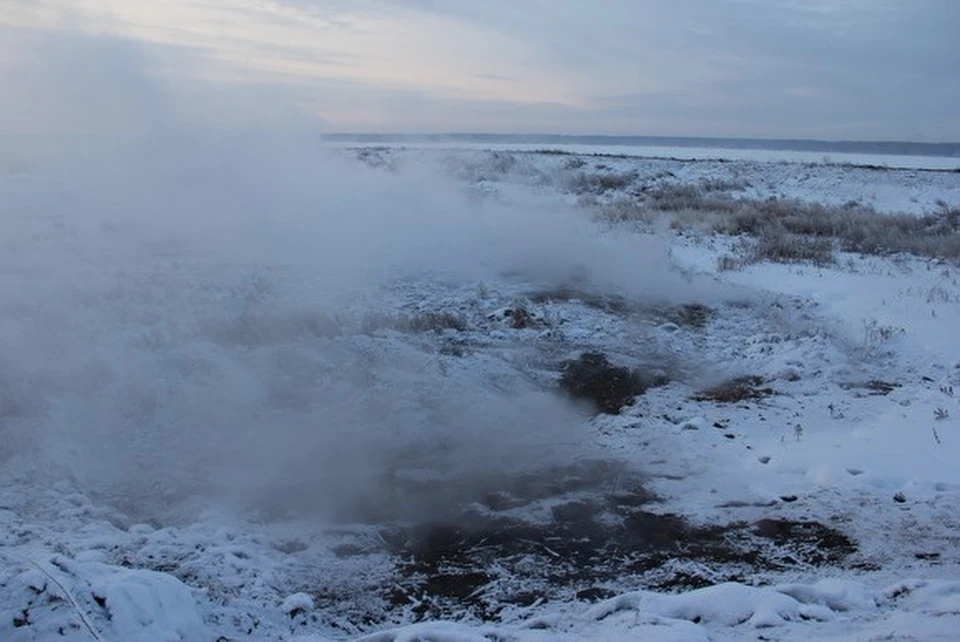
<point x="722" y="185"/>
<point x="625" y="210"/>
<point x="584" y="183"/>
<point x="613" y="181"/>
<point x="502" y="162"/>
<point x="729" y="263"/>
<point x="791" y="230"/>
<point x="786" y="247"/>
<point x="674" y="197"/>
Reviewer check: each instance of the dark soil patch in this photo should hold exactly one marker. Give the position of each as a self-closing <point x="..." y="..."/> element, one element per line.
<point x="874" y="387"/>
<point x="595" y="594"/>
<point x="814" y="542"/>
<point x="586" y="531"/>
<point x="458" y="586"/>
<point x="735" y="390"/>
<point x="593" y="378"/>
<point x="483" y="563"/>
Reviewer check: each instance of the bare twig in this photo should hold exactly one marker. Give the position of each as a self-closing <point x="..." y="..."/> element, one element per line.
<point x="63" y="590"/>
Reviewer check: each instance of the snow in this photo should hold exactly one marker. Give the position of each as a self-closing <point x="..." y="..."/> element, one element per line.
<point x="196" y="446"/>
<point x="724" y="612"/>
<point x="143" y="605"/>
<point x="297" y="602"/>
<point x="693" y="153"/>
<point x="104" y="602"/>
<point x="727" y="604"/>
<point x="528" y="178"/>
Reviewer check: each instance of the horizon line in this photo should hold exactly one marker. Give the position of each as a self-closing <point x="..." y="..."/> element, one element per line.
<point x="746" y="139"/>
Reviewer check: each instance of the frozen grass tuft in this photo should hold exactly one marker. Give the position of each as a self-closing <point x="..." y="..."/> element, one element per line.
<point x="414" y="323"/>
<point x="790" y="230"/>
<point x="787" y="247"/>
<point x="706" y="197"/>
<point x="607" y="181"/>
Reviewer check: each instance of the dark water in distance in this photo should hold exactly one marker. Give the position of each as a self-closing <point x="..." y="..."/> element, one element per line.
<point x="899" y="148"/>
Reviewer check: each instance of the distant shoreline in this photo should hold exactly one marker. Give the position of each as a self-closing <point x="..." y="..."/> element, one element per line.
<point x="892" y="148"/>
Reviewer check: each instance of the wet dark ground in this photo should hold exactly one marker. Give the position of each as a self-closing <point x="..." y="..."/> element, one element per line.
<point x="584" y="531"/>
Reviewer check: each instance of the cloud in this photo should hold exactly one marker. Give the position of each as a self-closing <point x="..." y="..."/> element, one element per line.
<point x="817" y="68"/>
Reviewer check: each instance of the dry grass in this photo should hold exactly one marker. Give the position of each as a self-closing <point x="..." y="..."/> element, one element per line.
<point x="735" y="390"/>
<point x="691" y="315"/>
<point x="415" y="323"/>
<point x="607" y="181"/>
<point x="788" y="230"/>
<point x="625" y="211"/>
<point x="707" y="196"/>
<point x="787" y="247"/>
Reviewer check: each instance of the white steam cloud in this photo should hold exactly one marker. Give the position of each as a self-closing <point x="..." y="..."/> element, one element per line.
<point x="170" y="256"/>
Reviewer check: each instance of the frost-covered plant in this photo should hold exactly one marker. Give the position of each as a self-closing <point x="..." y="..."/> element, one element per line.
<point x="792" y="248"/>
<point x="794" y="229"/>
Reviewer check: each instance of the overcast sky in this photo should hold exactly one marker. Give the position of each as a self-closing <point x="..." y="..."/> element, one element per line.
<point x="832" y="69"/>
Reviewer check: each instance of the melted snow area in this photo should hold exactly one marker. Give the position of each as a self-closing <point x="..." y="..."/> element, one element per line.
<point x="346" y="419"/>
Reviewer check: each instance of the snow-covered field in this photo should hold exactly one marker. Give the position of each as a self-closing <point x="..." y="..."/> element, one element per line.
<point x="303" y="394"/>
<point x="898" y="161"/>
<point x="916" y="191"/>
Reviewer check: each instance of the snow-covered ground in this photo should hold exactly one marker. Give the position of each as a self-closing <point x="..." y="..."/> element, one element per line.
<point x="345" y="423"/>
<point x="916" y="191"/>
<point x="900" y="161"/>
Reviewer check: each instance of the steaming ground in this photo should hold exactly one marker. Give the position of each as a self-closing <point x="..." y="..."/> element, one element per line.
<point x="251" y="388"/>
<point x="211" y="439"/>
